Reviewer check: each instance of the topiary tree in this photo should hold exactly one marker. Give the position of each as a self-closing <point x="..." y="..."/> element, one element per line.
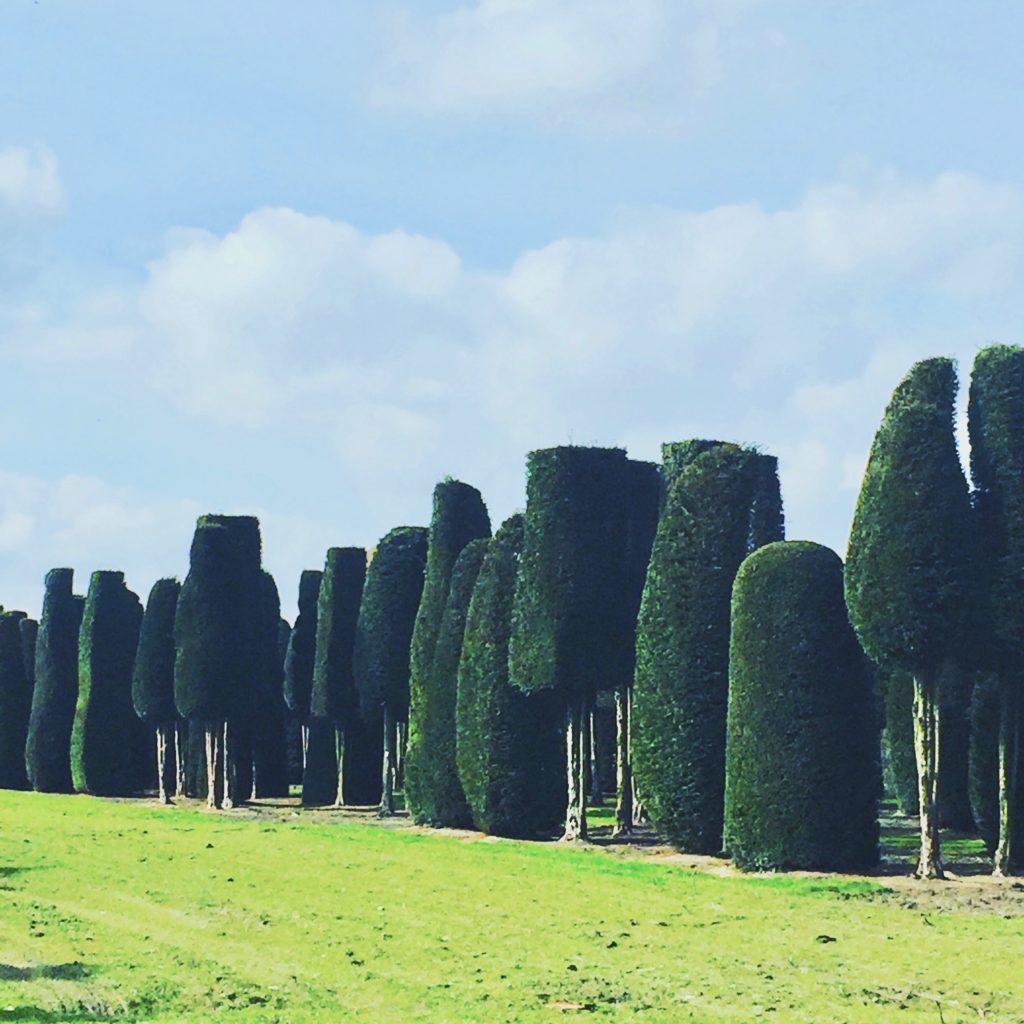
<point x="380" y="653"/>
<point x="681" y="686"/>
<point x="270" y="753"/>
<point x="215" y="634"/>
<point x="571" y="620"/>
<point x="802" y="772"/>
<point x="433" y="795"/>
<point x="907" y="577"/>
<point x="29" y="630"/>
<point x="15" y="703"/>
<point x="995" y="417"/>
<point x="153" y="684"/>
<point x="334" y="697"/>
<point x="301" y="653"/>
<point x="48" y="747"/>
<point x="509" y="744"/>
<point x="105" y="728"/>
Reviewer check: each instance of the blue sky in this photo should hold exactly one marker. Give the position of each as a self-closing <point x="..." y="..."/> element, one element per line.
<point x="305" y="259"/>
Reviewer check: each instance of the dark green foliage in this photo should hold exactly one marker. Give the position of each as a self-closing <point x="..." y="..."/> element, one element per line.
<point x="681" y="686"/>
<point x="509" y="747"/>
<point x="802" y="780"/>
<point x="387" y="613"/>
<point x="984" y="758"/>
<point x="153" y="677"/>
<point x="215" y="623"/>
<point x="29" y="630"/>
<point x="195" y="760"/>
<point x="270" y="753"/>
<point x="767" y="522"/>
<point x="320" y="777"/>
<point x="105" y="751"/>
<point x="432" y="792"/>
<point x="48" y="749"/>
<point x="431" y="772"/>
<point x="334" y="694"/>
<point x="15" y="703"/>
<point x="954" y="748"/>
<point x="907" y="575"/>
<point x="364" y="751"/>
<point x="301" y="655"/>
<point x="898" y="741"/>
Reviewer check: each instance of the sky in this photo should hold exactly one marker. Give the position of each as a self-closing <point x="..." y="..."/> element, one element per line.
<point x="303" y="260"/>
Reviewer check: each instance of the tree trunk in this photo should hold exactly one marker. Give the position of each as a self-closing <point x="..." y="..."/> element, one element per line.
<point x="387" y="793"/>
<point x="1009" y="756"/>
<point x="230" y="794"/>
<point x="214" y="732"/>
<point x="304" y="732"/>
<point x="926" y="753"/>
<point x="401" y="740"/>
<point x="595" y="792"/>
<point x="623" y="765"/>
<point x="180" y="748"/>
<point x="161" y="765"/>
<point x="576" y="768"/>
<point x="339" y="746"/>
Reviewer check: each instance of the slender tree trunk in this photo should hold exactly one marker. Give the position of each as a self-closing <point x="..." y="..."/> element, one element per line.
<point x="1009" y="757"/>
<point x="230" y="794"/>
<point x="401" y="740"/>
<point x="623" y="765"/>
<point x="387" y="793"/>
<point x="161" y="765"/>
<point x="304" y="733"/>
<point x="180" y="748"/>
<point x="339" y="746"/>
<point x="214" y="732"/>
<point x="926" y="752"/>
<point x="576" y="769"/>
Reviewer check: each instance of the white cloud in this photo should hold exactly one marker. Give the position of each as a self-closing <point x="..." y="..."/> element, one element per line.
<point x="29" y="183"/>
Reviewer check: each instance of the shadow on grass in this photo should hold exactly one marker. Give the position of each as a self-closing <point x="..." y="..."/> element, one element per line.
<point x="41" y="1016"/>
<point x="74" y="971"/>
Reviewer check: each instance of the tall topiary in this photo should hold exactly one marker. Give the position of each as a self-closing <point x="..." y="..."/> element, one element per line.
<point x="215" y="633"/>
<point x="270" y="753"/>
<point x="29" y="630"/>
<point x="301" y="654"/>
<point x="48" y="748"/>
<point x="682" y="671"/>
<point x="153" y="682"/>
<point x="432" y="791"/>
<point x="380" y="654"/>
<point x="802" y="775"/>
<point x="105" y="726"/>
<point x="509" y="744"/>
<point x="334" y="698"/>
<point x="15" y="703"/>
<point x="907" y="577"/>
<point x="995" y="417"/>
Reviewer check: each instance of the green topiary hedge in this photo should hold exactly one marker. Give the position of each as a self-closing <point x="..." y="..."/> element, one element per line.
<point x="301" y="655"/>
<point x="509" y="745"/>
<point x="153" y="676"/>
<point x="105" y="731"/>
<point x="270" y="754"/>
<point x="15" y="703"/>
<point x="802" y="776"/>
<point x="29" y="630"/>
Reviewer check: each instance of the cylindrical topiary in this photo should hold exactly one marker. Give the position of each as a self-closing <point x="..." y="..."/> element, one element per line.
<point x="802" y="775"/>
<point x="380" y="654"/>
<point x="48" y="748"/>
<point x="908" y="574"/>
<point x="432" y="792"/>
<point x="509" y="744"/>
<point x="334" y="696"/>
<point x="301" y="655"/>
<point x="15" y="703"/>
<point x="153" y="681"/>
<point x="320" y="774"/>
<point x="104" y="734"/>
<point x="29" y="629"/>
<point x="270" y="752"/>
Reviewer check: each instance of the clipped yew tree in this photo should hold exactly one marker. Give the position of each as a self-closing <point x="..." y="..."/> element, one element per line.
<point x="153" y="683"/>
<point x="682" y="670"/>
<point x="301" y="653"/>
<point x="15" y="703"/>
<point x="269" y="749"/>
<point x="29" y="630"/>
<point x="215" y="634"/>
<point x="572" y="615"/>
<point x="104" y="738"/>
<point x="48" y="747"/>
<point x="433" y="795"/>
<point x="995" y="417"/>
<point x="334" y="698"/>
<point x="802" y="775"/>
<point x="380" y="653"/>
<point x="509" y="744"/>
<point x="907" y="573"/>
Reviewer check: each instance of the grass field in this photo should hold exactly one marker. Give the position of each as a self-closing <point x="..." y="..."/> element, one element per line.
<point x="130" y="911"/>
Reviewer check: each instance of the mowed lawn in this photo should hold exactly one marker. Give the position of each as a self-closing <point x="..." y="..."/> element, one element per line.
<point x="113" y="910"/>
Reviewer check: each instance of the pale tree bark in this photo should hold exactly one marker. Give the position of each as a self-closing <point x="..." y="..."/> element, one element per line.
<point x="926" y="753"/>
<point x="180" y="747"/>
<point x="401" y="742"/>
<point x="387" y="793"/>
<point x="162" y="735"/>
<point x="576" y="777"/>
<point x="304" y="734"/>
<point x="595" y="791"/>
<point x="214" y="736"/>
<point x="1009" y="761"/>
<point x="230" y="796"/>
<point x="339" y="748"/>
<point x="623" y="765"/>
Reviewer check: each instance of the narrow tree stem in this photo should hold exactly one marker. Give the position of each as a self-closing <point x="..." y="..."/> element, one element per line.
<point x="575" y="739"/>
<point x="387" y="797"/>
<point x="926" y="752"/>
<point x="623" y="765"/>
<point x="339" y="747"/>
<point x="1009" y="747"/>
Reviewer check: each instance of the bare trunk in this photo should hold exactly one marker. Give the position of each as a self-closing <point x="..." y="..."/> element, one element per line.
<point x="926" y="752"/>
<point x="576" y="769"/>
<point x="214" y="733"/>
<point x="401" y="739"/>
<point x="180" y="748"/>
<point x="623" y="765"/>
<point x="161" y="763"/>
<point x="304" y="734"/>
<point x="387" y="793"/>
<point x="1009" y="756"/>
<point x="230" y="796"/>
<point x="339" y="747"/>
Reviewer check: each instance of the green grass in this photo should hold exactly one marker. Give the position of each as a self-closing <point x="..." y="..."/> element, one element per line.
<point x="128" y="911"/>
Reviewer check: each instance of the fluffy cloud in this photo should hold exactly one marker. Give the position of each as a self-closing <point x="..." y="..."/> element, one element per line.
<point x="29" y="183"/>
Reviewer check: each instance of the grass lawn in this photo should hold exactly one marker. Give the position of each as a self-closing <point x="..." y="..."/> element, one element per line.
<point x="129" y="911"/>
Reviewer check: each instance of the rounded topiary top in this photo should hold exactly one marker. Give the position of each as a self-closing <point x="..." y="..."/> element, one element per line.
<point x="341" y="591"/>
<point x="301" y="656"/>
<point x="153" y="677"/>
<point x="387" y="613"/>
